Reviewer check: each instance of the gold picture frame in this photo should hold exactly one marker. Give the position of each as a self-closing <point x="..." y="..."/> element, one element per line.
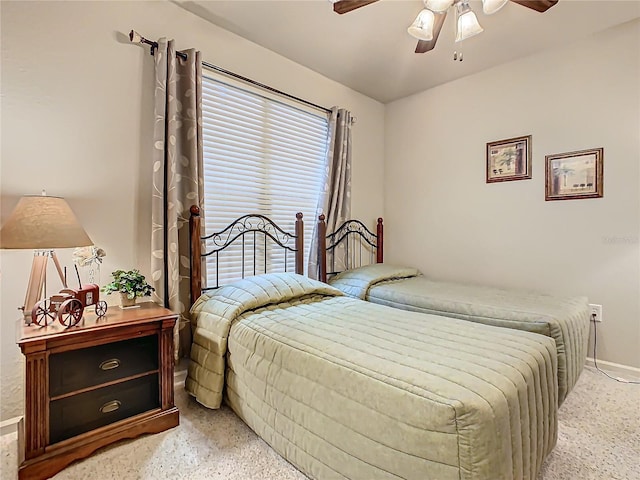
<point x="509" y="159"/>
<point x="574" y="175"/>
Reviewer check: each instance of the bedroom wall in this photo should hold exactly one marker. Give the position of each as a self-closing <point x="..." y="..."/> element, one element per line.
<point x="76" y="116"/>
<point x="442" y="217"/>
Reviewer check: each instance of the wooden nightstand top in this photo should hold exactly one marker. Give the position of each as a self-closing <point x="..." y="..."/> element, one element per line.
<point x="115" y="317"/>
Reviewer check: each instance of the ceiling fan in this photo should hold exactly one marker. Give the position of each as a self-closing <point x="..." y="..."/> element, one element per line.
<point x="426" y="27"/>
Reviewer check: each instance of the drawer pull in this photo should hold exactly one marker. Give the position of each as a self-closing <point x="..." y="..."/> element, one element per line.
<point x="110" y="364"/>
<point x="111" y="406"/>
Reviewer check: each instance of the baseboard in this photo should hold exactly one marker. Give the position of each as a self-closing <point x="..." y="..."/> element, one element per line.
<point x="630" y="373"/>
<point x="180" y="372"/>
<point x="179" y="377"/>
<point x="9" y="426"/>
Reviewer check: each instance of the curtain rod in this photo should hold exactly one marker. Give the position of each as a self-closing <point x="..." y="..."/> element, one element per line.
<point x="135" y="37"/>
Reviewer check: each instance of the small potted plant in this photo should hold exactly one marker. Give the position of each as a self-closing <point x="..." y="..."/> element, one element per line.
<point x="131" y="285"/>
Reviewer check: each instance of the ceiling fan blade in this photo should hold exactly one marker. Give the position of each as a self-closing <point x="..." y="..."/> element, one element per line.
<point x="345" y="6"/>
<point x="537" y="5"/>
<point x="424" y="46"/>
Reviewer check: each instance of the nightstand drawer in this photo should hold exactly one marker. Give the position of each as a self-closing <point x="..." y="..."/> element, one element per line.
<point x="87" y="411"/>
<point x="87" y="367"/>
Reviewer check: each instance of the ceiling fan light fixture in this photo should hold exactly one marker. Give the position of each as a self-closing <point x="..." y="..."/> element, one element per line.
<point x="467" y="23"/>
<point x="438" y="6"/>
<point x="422" y="27"/>
<point x="489" y="7"/>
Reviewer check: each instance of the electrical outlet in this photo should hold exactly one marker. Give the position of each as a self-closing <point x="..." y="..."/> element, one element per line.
<point x="596" y="312"/>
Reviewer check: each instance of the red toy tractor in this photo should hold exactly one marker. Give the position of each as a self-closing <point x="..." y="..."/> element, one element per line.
<point x="68" y="306"/>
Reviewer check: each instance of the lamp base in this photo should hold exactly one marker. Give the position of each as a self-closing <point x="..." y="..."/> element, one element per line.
<point x="37" y="279"/>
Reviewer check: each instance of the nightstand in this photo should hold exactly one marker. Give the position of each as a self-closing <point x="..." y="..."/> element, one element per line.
<point x="87" y="386"/>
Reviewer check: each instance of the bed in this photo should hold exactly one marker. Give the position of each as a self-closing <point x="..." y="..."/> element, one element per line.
<point x="565" y="319"/>
<point x="343" y="388"/>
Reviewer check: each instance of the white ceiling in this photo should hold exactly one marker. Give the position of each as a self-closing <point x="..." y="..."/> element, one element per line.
<point x="370" y="50"/>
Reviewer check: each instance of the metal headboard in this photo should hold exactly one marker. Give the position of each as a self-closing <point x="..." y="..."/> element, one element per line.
<point x="252" y="224"/>
<point x="355" y="235"/>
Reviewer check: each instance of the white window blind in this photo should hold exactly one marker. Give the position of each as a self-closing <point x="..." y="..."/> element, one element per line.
<point x="261" y="156"/>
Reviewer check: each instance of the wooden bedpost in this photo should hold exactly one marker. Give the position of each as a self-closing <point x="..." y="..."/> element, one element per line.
<point x="196" y="253"/>
<point x="299" y="244"/>
<point x="379" y="241"/>
<point x="322" y="249"/>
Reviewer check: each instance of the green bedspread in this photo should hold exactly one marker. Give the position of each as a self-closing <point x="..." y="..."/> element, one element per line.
<point x="348" y="389"/>
<point x="565" y="319"/>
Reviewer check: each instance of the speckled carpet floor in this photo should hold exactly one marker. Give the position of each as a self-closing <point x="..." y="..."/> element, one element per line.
<point x="599" y="439"/>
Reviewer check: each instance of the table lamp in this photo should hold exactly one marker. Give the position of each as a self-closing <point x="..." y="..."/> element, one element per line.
<point x="42" y="223"/>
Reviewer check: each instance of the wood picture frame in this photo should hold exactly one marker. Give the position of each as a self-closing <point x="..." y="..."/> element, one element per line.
<point x="509" y="159"/>
<point x="574" y="175"/>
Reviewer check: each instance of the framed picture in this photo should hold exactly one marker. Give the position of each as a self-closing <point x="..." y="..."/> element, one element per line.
<point x="574" y="175"/>
<point x="509" y="159"/>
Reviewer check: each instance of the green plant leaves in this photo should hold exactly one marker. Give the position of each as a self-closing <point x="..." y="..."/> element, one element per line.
<point x="131" y="282"/>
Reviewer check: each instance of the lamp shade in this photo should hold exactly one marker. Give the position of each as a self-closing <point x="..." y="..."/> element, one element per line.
<point x="467" y="24"/>
<point x="422" y="27"/>
<point x="42" y="222"/>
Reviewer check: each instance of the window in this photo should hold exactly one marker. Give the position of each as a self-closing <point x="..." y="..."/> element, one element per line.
<point x="261" y="156"/>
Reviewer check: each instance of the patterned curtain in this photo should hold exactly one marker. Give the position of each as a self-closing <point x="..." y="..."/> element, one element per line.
<point x="177" y="179"/>
<point x="335" y="199"/>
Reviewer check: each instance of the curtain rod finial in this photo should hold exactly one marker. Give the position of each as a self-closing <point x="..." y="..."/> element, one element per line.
<point x="135" y="37"/>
